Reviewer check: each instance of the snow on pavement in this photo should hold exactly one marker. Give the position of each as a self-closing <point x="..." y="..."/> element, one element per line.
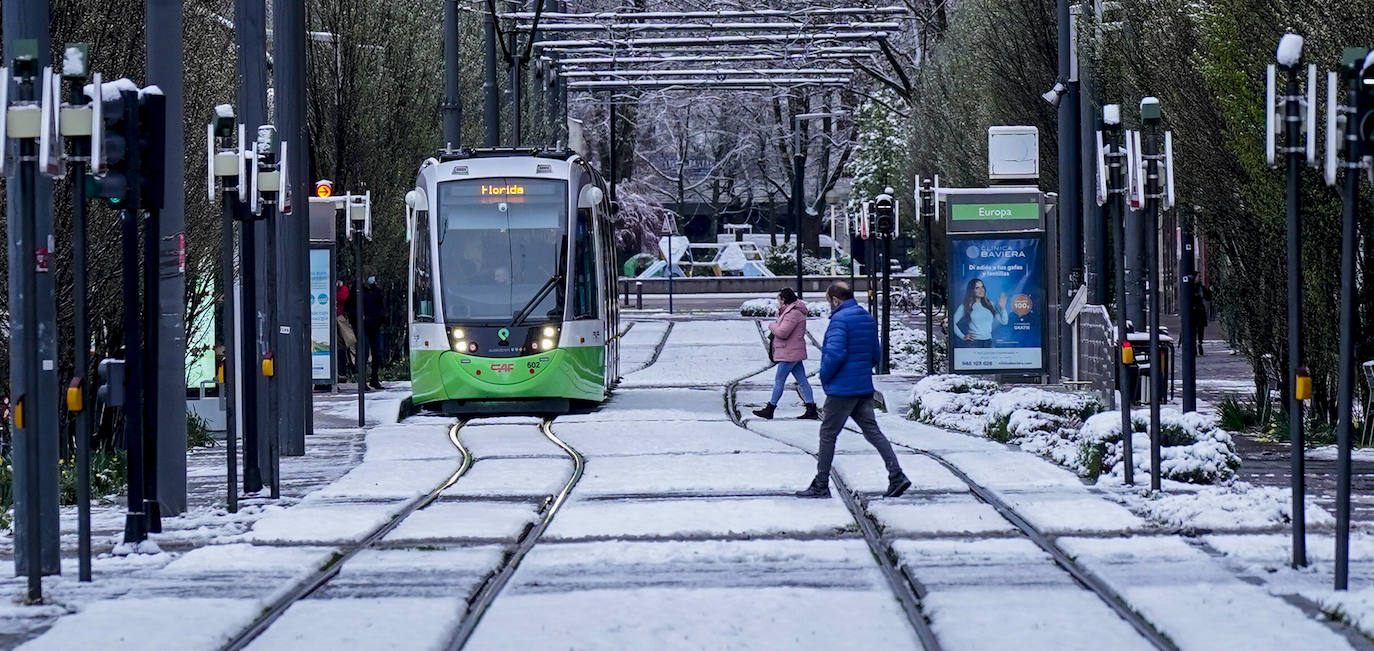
<point x="715" y="618"/>
<point x="682" y="534"/>
<point x="374" y="624"/>
<point x="173" y="624"/>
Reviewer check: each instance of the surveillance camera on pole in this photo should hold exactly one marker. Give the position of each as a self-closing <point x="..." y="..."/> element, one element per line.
<point x="1054" y="94"/>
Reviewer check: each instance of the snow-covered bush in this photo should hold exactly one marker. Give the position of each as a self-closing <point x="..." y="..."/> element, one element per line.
<point x="952" y="401"/>
<point x="782" y="261"/>
<point x="909" y="351"/>
<point x="1024" y="412"/>
<point x="1072" y="430"/>
<point x="766" y="307"/>
<point x="1192" y="448"/>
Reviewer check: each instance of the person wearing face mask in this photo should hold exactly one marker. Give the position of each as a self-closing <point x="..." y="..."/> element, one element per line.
<point x="374" y="315"/>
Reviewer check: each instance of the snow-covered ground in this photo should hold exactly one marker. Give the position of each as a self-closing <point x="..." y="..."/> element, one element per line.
<point x="683" y="533"/>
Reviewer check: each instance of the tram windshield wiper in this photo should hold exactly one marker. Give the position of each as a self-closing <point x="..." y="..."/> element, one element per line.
<point x="539" y="296"/>
<point x="555" y="281"/>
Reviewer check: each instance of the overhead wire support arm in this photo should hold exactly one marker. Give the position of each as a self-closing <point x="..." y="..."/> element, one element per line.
<point x="704" y="72"/>
<point x="708" y="84"/>
<point x="672" y="57"/>
<point x="704" y="26"/>
<point x="709" y="40"/>
<point x="616" y="16"/>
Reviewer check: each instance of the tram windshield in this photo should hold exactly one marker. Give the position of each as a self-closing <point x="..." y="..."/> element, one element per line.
<point x="500" y="248"/>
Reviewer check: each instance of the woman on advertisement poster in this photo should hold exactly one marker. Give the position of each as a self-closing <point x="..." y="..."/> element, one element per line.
<point x="976" y="316"/>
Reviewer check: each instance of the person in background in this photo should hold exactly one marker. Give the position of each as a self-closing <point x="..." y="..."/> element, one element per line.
<point x="348" y="339"/>
<point x="374" y="315"/>
<point x="1202" y="299"/>
<point x="788" y="339"/>
<point x="847" y="356"/>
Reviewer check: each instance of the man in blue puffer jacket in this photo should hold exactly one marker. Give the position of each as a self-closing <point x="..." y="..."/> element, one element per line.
<point x="847" y="357"/>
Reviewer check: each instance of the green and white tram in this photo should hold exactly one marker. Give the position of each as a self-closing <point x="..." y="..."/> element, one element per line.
<point x="512" y="283"/>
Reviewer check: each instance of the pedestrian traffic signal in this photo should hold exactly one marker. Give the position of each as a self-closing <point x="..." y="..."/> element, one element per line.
<point x="110" y="377"/>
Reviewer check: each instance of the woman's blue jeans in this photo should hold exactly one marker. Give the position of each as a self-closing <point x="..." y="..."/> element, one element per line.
<point x="796" y="370"/>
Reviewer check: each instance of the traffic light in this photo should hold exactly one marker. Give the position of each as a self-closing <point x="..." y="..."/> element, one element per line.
<point x="150" y="141"/>
<point x="324" y="189"/>
<point x="886" y="222"/>
<point x="117" y="182"/>
<point x="110" y="377"/>
<point x="1365" y="102"/>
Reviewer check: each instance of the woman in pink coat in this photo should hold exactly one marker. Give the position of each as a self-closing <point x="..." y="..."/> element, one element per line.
<point x="789" y="351"/>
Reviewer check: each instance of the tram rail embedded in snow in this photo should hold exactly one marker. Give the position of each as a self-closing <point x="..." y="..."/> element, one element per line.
<point x="512" y="302"/>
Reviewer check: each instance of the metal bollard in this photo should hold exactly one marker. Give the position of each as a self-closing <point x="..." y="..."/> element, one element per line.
<point x="627" y="293"/>
<point x="639" y="294"/>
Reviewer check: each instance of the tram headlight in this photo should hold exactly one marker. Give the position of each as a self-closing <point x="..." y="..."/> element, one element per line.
<point x="549" y="331"/>
<point x="460" y="346"/>
<point x="546" y="344"/>
<point x="458" y="334"/>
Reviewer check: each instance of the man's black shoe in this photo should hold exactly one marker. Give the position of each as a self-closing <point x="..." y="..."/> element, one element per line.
<point x="815" y="490"/>
<point x="766" y="412"/>
<point x="811" y="412"/>
<point x="897" y="485"/>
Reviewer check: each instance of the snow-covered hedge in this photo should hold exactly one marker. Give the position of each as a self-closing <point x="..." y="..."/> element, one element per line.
<point x="764" y="307"/>
<point x="782" y="261"/>
<point x="1192" y="448"/>
<point x="1072" y="430"/>
<point x="909" y="350"/>
<point x="952" y="401"/>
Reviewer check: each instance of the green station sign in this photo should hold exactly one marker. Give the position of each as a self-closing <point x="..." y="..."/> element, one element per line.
<point x="994" y="211"/>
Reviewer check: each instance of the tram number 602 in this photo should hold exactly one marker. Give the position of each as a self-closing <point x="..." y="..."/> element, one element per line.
<point x="532" y="365"/>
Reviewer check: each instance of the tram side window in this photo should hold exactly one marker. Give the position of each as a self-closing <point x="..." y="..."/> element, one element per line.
<point x="584" y="268"/>
<point x="423" y="286"/>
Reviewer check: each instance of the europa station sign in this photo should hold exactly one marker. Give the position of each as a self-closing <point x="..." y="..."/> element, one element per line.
<point x="1001" y="212"/>
<point x="998" y="256"/>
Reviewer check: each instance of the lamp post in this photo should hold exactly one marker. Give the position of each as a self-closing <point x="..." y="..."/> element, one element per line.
<point x="798" y="182"/>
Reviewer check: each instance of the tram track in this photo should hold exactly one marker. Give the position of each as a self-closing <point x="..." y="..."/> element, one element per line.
<point x="491" y="588"/>
<point x="658" y="348"/>
<point x="907" y="591"/>
<point x="322" y="576"/>
<point x="1081" y="575"/>
<point x="908" y="588"/>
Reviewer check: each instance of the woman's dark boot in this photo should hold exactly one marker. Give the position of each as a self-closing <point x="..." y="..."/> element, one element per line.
<point x="811" y="413"/>
<point x="766" y="412"/>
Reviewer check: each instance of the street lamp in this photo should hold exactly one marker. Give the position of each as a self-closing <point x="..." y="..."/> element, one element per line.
<point x="798" y="174"/>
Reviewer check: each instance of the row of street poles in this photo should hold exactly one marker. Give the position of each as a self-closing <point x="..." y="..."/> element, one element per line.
<point x="118" y="155"/>
<point x="1349" y="132"/>
<point x="1133" y="170"/>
